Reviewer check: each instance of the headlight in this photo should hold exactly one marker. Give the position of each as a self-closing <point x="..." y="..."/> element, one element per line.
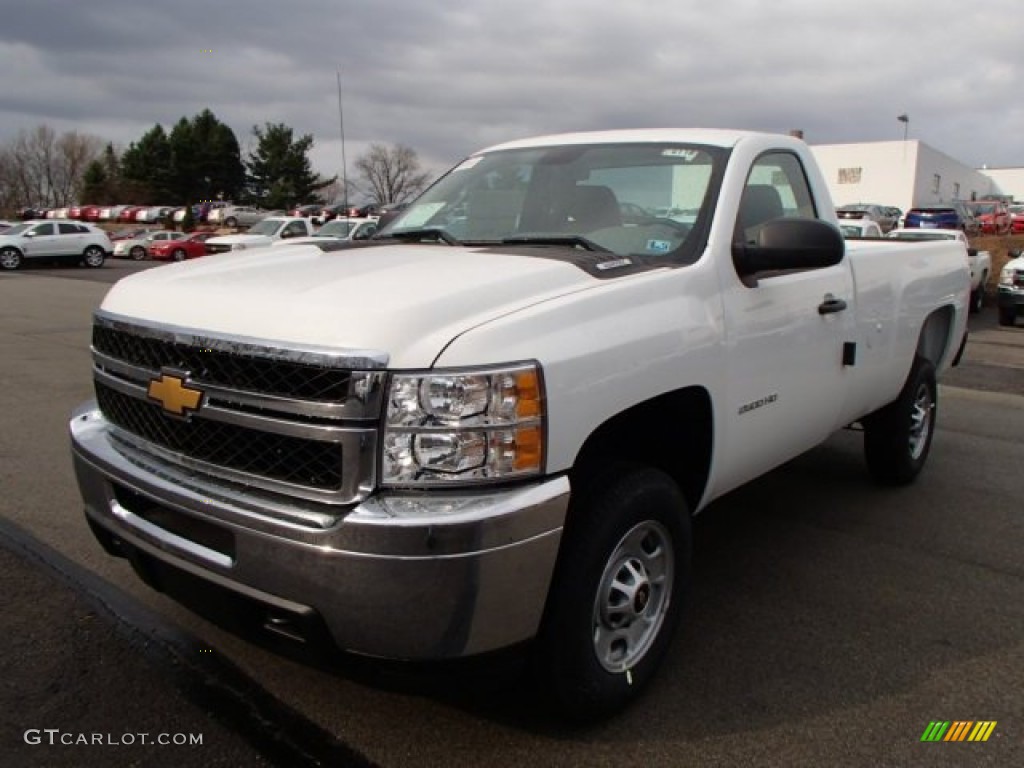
<point x="463" y="426"/>
<point x="1006" y="277"/>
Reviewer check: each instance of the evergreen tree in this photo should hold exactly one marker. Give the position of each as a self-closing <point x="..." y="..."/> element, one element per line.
<point x="147" y="166"/>
<point x="279" y="171"/>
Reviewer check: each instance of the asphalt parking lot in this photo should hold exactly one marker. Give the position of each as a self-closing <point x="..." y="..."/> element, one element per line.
<point x="829" y="623"/>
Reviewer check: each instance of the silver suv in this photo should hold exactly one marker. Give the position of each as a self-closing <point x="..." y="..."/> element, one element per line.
<point x="54" y="240"/>
<point x="237" y="216"/>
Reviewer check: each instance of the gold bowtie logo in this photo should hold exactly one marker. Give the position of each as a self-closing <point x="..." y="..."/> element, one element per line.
<point x="174" y="394"/>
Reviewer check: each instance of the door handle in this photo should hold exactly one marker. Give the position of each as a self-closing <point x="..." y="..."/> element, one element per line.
<point x="831" y="305"/>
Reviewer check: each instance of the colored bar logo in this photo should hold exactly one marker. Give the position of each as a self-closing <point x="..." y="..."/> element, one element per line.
<point x="958" y="730"/>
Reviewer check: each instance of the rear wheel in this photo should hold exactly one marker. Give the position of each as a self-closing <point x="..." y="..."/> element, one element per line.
<point x="10" y="258"/>
<point x="1007" y="316"/>
<point x="617" y="594"/>
<point x="93" y="256"/>
<point x="978" y="297"/>
<point x="898" y="437"/>
<point x="179" y="254"/>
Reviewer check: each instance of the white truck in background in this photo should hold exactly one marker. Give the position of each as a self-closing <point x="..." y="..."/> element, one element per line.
<point x="490" y="424"/>
<point x="262" y="234"/>
<point x="979" y="262"/>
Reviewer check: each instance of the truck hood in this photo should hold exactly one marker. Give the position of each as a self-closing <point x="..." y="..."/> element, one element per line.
<point x="407" y="301"/>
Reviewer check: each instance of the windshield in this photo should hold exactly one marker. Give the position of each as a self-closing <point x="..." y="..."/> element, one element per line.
<point x="265" y="227"/>
<point x="629" y="199"/>
<point x="335" y="229"/>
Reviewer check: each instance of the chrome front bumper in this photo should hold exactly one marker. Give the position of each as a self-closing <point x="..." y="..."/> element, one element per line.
<point x="401" y="575"/>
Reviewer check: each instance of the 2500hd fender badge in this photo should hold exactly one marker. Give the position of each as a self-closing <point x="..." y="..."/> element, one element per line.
<point x="174" y="394"/>
<point x="767" y="400"/>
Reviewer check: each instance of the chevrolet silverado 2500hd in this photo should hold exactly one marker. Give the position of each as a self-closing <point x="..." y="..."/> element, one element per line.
<point x="492" y="422"/>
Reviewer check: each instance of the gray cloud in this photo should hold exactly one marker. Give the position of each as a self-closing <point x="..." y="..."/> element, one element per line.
<point x="447" y="80"/>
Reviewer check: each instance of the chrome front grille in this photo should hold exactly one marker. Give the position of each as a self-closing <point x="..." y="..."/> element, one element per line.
<point x="298" y="422"/>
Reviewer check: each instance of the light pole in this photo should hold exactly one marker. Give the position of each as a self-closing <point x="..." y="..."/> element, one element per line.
<point x="344" y="165"/>
<point x="905" y="119"/>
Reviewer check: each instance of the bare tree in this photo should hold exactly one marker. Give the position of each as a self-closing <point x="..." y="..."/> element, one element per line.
<point x="391" y="174"/>
<point x="38" y="167"/>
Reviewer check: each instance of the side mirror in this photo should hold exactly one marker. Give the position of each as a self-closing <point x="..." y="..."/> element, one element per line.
<point x="784" y="244"/>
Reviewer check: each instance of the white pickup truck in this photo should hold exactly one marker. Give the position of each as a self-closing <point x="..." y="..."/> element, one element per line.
<point x="262" y="234"/>
<point x="492" y="423"/>
<point x="978" y="262"/>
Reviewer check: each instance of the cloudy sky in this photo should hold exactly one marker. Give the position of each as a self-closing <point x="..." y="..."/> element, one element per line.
<point x="446" y="78"/>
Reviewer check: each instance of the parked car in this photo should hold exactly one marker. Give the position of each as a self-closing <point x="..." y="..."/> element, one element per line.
<point x="190" y="246"/>
<point x="1017" y="219"/>
<point x="138" y="247"/>
<point x="306" y="211"/>
<point x="860" y="228"/>
<point x="954" y="215"/>
<point x="154" y="214"/>
<point x="343" y="230"/>
<point x="993" y="216"/>
<point x="5" y="225"/>
<point x="328" y="213"/>
<point x="53" y="240"/>
<point x="880" y="214"/>
<point x="236" y="215"/>
<point x="1010" y="296"/>
<point x="130" y="233"/>
<point x="127" y="215"/>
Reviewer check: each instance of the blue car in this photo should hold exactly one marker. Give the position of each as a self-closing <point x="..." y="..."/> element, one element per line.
<point x="953" y="215"/>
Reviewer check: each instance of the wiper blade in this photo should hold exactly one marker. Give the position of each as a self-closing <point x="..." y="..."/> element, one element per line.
<point x="569" y="241"/>
<point x="424" y="233"/>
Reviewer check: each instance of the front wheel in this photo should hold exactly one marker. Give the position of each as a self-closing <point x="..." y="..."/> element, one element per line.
<point x="10" y="258"/>
<point x="231" y="221"/>
<point x="138" y="253"/>
<point x="898" y="437"/>
<point x="617" y="593"/>
<point x="93" y="257"/>
<point x="1007" y="316"/>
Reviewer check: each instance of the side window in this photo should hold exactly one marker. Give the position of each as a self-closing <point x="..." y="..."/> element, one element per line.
<point x="68" y="229"/>
<point x="776" y="188"/>
<point x="42" y="229"/>
<point x="294" y="229"/>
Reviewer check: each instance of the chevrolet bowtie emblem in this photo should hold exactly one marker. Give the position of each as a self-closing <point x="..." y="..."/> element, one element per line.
<point x="174" y="394"/>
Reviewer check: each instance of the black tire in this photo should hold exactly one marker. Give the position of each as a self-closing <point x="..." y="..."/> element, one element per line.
<point x="231" y="221"/>
<point x="93" y="257"/>
<point x="977" y="299"/>
<point x="179" y="254"/>
<point x="625" y="558"/>
<point x="10" y="258"/>
<point x="898" y="437"/>
<point x="1007" y="316"/>
<point x="138" y="253"/>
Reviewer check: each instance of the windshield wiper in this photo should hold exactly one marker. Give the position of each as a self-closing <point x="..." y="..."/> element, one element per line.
<point x="570" y="241"/>
<point x="424" y="233"/>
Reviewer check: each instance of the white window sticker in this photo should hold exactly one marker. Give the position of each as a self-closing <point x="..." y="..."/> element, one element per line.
<point x="689" y="155"/>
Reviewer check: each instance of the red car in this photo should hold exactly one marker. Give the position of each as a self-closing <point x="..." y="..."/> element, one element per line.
<point x="127" y="216"/>
<point x="1017" y="219"/>
<point x="90" y="213"/>
<point x="191" y="247"/>
<point x="992" y="215"/>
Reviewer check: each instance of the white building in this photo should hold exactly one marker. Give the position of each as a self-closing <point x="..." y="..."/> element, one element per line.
<point x="906" y="174"/>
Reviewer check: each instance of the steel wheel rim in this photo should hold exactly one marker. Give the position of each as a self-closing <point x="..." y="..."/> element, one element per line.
<point x="921" y="421"/>
<point x="633" y="596"/>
